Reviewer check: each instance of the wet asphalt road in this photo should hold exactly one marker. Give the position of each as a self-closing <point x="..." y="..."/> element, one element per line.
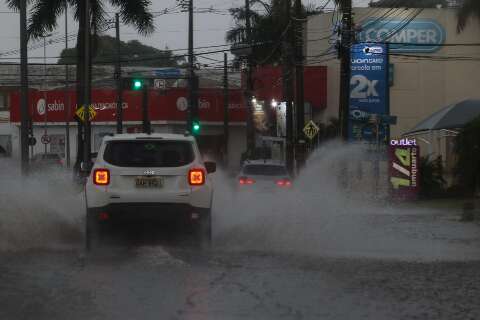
<point x="314" y="255"/>
<point x="146" y="277"/>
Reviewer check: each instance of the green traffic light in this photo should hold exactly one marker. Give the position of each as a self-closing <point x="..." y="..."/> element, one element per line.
<point x="196" y="127"/>
<point x="137" y="84"/>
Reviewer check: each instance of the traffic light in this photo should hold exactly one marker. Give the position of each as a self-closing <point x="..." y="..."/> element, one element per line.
<point x="195" y="127"/>
<point x="137" y="84"/>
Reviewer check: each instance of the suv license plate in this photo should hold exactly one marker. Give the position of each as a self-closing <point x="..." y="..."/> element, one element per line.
<point x="148" y="182"/>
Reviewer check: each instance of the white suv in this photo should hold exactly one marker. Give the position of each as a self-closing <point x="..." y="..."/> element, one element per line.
<point x="156" y="175"/>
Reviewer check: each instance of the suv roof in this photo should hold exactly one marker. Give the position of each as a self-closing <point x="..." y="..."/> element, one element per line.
<point x="159" y="136"/>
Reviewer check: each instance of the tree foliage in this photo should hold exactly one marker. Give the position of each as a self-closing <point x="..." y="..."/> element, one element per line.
<point x="467" y="148"/>
<point x="133" y="51"/>
<point x="269" y="25"/>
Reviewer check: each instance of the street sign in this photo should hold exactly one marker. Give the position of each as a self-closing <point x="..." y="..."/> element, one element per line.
<point x="311" y="130"/>
<point x="160" y="84"/>
<point x="46" y="139"/>
<point x="81" y="113"/>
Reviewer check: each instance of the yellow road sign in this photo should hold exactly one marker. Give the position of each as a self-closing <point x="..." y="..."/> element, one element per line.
<point x="311" y="130"/>
<point x="81" y="113"/>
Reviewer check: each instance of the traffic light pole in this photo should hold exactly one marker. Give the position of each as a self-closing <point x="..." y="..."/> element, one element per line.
<point x="345" y="56"/>
<point x="24" y="87"/>
<point x="147" y="128"/>
<point x="192" y="80"/>
<point x="118" y="76"/>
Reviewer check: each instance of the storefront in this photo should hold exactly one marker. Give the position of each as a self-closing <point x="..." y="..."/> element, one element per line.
<point x="51" y="111"/>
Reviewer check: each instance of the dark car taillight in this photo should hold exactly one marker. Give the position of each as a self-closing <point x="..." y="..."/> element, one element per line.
<point x="245" y="180"/>
<point x="284" y="183"/>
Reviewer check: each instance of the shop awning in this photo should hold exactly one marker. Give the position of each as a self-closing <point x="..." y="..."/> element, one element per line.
<point x="454" y="116"/>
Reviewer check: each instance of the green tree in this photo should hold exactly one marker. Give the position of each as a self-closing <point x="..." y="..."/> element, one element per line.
<point x="132" y="51"/>
<point x="45" y="13"/>
<point x="408" y="3"/>
<point x="467" y="148"/>
<point x="268" y="28"/>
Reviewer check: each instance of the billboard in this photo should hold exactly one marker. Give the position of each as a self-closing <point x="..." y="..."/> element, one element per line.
<point x="404" y="173"/>
<point x="419" y="35"/>
<point x="59" y="106"/>
<point x="369" y="92"/>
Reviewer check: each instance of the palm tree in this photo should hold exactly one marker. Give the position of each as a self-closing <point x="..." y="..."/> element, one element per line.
<point x="45" y="13"/>
<point x="268" y="28"/>
<point x="468" y="9"/>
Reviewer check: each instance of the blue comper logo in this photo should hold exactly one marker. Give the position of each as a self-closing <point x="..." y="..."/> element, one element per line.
<point x="426" y="36"/>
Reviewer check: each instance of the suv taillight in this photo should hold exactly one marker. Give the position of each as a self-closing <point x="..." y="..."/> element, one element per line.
<point x="101" y="177"/>
<point x="196" y="177"/>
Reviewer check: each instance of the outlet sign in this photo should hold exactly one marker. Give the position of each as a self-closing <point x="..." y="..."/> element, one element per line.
<point x="419" y="36"/>
<point x="404" y="172"/>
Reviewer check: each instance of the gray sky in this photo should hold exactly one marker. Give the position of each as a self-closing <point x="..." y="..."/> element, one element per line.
<point x="171" y="29"/>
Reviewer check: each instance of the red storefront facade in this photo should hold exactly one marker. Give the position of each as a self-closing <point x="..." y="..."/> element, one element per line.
<point x="58" y="106"/>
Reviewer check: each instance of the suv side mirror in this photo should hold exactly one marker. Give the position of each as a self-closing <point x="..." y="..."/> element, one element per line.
<point x="210" y="166"/>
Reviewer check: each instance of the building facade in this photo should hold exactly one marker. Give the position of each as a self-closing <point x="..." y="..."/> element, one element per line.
<point x="431" y="64"/>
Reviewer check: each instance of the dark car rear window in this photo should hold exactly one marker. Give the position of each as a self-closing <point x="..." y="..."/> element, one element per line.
<point x="264" y="170"/>
<point x="149" y="153"/>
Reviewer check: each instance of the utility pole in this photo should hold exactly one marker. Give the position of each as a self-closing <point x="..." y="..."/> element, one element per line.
<point x="299" y="83"/>
<point x="345" y="57"/>
<point x="24" y="87"/>
<point x="249" y="82"/>
<point x="67" y="95"/>
<point x="87" y="126"/>
<point x="192" y="79"/>
<point x="226" y="103"/>
<point x="118" y="76"/>
<point x="288" y="88"/>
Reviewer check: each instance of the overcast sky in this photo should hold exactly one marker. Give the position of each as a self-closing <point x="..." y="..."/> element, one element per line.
<point x="171" y="29"/>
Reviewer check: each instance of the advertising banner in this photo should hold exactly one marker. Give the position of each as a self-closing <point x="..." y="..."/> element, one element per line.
<point x="51" y="106"/>
<point x="369" y="92"/>
<point x="404" y="173"/>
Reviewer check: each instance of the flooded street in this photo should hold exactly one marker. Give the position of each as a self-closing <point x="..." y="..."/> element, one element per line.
<point x="311" y="253"/>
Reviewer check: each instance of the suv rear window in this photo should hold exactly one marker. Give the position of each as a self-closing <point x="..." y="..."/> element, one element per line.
<point x="140" y="153"/>
<point x="264" y="170"/>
